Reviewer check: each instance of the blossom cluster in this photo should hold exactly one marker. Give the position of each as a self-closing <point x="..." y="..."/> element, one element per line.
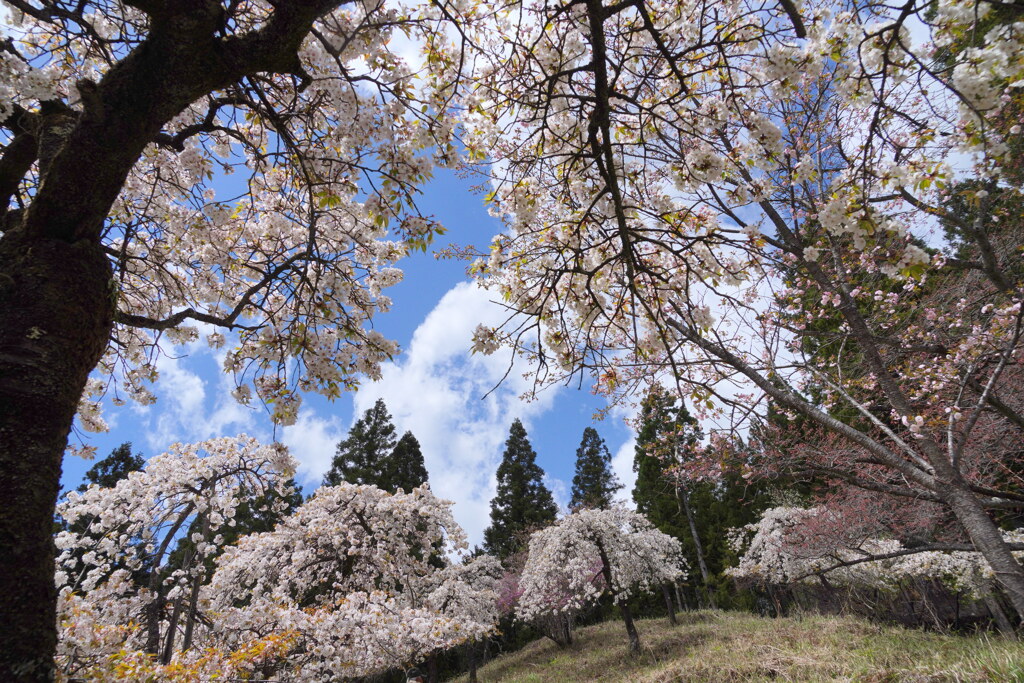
<point x="770" y="555"/>
<point x="745" y="202"/>
<point x="131" y="524"/>
<point x="266" y="218"/>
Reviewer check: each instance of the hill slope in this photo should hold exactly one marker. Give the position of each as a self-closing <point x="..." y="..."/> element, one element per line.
<point x="733" y="646"/>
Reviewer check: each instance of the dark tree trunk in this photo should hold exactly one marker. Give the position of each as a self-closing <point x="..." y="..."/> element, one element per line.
<point x="667" y="595"/>
<point x="56" y="300"/>
<point x="634" y="637"/>
<point x="985" y="536"/>
<point x="627" y="615"/>
<point x="1003" y="623"/>
<point x="172" y="631"/>
<point x="57" y="313"/>
<point x="432" y="673"/>
<point x="471" y="651"/>
<point x="197" y="580"/>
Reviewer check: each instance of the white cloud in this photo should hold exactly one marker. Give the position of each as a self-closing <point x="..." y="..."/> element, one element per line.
<point x="453" y="401"/>
<point x="560" y="491"/>
<point x="188" y="408"/>
<point x="622" y="466"/>
<point x="311" y="440"/>
<point x="438" y="392"/>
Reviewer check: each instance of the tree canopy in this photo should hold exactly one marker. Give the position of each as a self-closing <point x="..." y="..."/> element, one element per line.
<point x="693" y="190"/>
<point x="371" y="454"/>
<point x="594" y="483"/>
<point x="119" y="123"/>
<point x="522" y="502"/>
<point x="114" y="467"/>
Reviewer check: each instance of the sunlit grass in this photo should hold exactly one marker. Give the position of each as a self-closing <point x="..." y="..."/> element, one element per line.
<point x="734" y="646"/>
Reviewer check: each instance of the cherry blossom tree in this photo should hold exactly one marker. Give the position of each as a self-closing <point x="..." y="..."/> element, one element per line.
<point x="591" y="552"/>
<point x="470" y="590"/>
<point x="346" y="585"/>
<point x="787" y="546"/>
<point x="115" y="532"/>
<point x="737" y="197"/>
<point x="352" y="574"/>
<point x="123" y="226"/>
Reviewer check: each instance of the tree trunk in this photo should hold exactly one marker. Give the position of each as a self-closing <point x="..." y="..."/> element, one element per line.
<point x="172" y="631"/>
<point x="57" y="315"/>
<point x="432" y="674"/>
<point x="684" y="500"/>
<point x="472" y="661"/>
<point x="634" y="637"/>
<point x="197" y="580"/>
<point x="153" y="613"/>
<point x="627" y="615"/>
<point x="154" y="610"/>
<point x="1003" y="623"/>
<point x="56" y="300"/>
<point x="680" y="598"/>
<point x="667" y="595"/>
<point x="985" y="536"/>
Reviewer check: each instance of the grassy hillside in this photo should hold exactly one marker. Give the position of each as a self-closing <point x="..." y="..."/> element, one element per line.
<point x="711" y="646"/>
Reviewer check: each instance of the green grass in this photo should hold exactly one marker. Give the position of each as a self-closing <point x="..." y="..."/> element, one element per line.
<point x="733" y="646"/>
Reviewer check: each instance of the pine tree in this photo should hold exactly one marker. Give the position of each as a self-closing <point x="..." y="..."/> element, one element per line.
<point x="113" y="468"/>
<point x="594" y="483"/>
<point x="406" y="469"/>
<point x="364" y="456"/>
<point x="654" y="491"/>
<point x="523" y="502"/>
<point x="700" y="513"/>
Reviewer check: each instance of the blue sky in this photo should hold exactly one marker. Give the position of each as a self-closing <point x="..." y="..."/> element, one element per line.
<point x="434" y="388"/>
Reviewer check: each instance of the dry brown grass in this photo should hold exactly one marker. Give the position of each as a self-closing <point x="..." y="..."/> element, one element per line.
<point x="732" y="646"/>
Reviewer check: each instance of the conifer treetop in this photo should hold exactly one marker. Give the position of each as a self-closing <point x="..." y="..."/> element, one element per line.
<point x="594" y="483"/>
<point x="522" y="502"/>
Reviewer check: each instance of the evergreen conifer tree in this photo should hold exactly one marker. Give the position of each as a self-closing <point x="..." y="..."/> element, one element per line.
<point x="372" y="455"/>
<point x="594" y="483"/>
<point x="364" y="456"/>
<point x="522" y="502"/>
<point x="406" y="468"/>
<point x="667" y="433"/>
<point x="700" y="513"/>
<point x="654" y="491"/>
<point x="113" y="468"/>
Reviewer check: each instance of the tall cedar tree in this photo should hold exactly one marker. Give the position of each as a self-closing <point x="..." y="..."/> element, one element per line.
<point x="371" y="455"/>
<point x="668" y="430"/>
<point x="522" y="502"/>
<point x="406" y="469"/>
<point x="119" y="464"/>
<point x="362" y="458"/>
<point x="594" y="483"/>
<point x="667" y="433"/>
<point x="654" y="492"/>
